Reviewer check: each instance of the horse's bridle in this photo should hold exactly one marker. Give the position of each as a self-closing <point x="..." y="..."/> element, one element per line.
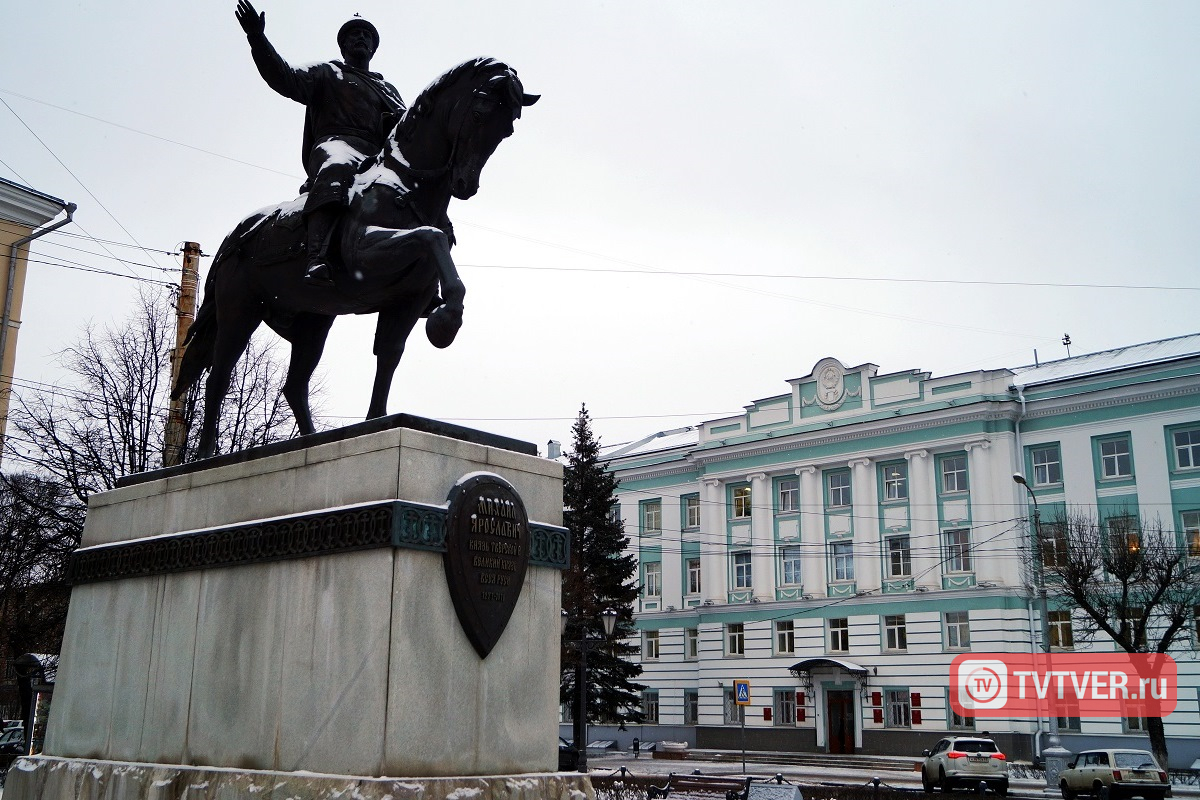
<point x="437" y="172"/>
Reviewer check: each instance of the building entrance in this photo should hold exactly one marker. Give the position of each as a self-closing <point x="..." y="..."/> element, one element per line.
<point x="839" y="713"/>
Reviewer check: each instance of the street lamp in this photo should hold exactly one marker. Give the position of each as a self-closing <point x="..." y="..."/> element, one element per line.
<point x="609" y="617"/>
<point x="1054" y="755"/>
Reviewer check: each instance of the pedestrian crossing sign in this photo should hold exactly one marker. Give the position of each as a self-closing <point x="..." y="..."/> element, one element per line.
<point x="741" y="693"/>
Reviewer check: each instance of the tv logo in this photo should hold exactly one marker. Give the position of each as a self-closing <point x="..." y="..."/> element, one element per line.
<point x="1032" y="685"/>
<point x="982" y="683"/>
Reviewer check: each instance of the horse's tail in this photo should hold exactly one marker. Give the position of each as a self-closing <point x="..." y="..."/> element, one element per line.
<point x="201" y="337"/>
<point x="199" y="345"/>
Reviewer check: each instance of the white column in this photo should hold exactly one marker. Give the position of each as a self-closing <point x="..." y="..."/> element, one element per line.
<point x="812" y="532"/>
<point x="989" y="565"/>
<point x="713" y="541"/>
<point x="762" y="539"/>
<point x="865" y="509"/>
<point x="672" y="554"/>
<point x="923" y="518"/>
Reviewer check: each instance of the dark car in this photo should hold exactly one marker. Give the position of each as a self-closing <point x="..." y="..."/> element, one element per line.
<point x="568" y="756"/>
<point x="12" y="744"/>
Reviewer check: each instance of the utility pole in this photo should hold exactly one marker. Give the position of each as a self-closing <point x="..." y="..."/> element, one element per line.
<point x="185" y="312"/>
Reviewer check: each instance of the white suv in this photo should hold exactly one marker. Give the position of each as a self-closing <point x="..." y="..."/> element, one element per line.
<point x="965" y="761"/>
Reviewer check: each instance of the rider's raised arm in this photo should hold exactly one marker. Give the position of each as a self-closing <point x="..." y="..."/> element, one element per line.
<point x="296" y="84"/>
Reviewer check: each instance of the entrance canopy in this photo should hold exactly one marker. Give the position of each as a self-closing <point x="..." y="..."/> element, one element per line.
<point x="810" y="664"/>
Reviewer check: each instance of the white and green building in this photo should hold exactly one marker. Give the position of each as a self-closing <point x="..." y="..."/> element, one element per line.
<point x="837" y="545"/>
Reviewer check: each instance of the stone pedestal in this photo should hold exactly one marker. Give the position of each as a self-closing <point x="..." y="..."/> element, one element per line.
<point x="76" y="779"/>
<point x="290" y="612"/>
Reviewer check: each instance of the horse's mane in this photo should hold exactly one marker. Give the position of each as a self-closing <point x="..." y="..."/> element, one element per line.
<point x="489" y="68"/>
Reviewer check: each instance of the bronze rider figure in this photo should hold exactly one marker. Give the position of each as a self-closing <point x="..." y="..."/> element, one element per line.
<point x="350" y="111"/>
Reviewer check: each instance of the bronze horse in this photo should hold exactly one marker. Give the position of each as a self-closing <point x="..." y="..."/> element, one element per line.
<point x="394" y="244"/>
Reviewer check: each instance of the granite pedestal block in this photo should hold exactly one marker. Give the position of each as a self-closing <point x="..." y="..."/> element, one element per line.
<point x="51" y="778"/>
<point x="351" y="663"/>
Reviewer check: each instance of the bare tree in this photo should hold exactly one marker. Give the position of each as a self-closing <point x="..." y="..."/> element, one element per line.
<point x="111" y="421"/>
<point x="1132" y="580"/>
<point x="81" y="438"/>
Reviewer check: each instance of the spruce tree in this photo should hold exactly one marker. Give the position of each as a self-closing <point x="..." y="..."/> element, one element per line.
<point x="602" y="575"/>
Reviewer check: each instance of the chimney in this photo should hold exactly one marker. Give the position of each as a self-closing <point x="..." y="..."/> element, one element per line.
<point x="553" y="449"/>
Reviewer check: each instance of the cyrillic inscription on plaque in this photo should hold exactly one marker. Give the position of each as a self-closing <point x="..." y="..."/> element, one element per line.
<point x="487" y="554"/>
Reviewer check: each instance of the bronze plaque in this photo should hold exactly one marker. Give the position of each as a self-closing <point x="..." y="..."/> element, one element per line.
<point x="487" y="554"/>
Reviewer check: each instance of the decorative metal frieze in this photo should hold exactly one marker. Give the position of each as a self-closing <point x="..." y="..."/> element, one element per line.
<point x="549" y="546"/>
<point x="394" y="523"/>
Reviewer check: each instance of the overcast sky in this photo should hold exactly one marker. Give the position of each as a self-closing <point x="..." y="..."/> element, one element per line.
<point x="942" y="186"/>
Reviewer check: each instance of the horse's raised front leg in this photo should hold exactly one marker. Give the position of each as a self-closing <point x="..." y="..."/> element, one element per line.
<point x="395" y="324"/>
<point x="233" y="334"/>
<point x="307" y="335"/>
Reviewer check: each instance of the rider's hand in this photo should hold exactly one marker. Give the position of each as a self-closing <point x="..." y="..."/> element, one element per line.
<point x="252" y="22"/>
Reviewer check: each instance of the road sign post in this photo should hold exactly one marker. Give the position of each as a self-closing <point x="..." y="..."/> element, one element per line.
<point x="741" y="697"/>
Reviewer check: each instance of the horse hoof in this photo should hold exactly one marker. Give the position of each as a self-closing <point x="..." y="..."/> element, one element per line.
<point x="442" y="326"/>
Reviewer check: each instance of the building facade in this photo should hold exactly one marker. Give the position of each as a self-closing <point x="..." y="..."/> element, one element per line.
<point x="839" y="544"/>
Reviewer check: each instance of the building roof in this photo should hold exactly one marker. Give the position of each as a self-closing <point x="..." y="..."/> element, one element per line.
<point x="1135" y="355"/>
<point x="655" y="442"/>
<point x="27" y="206"/>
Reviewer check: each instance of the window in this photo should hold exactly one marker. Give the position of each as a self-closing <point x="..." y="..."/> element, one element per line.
<point x="895" y="481"/>
<point x="650" y="645"/>
<point x="691" y="642"/>
<point x="895" y="632"/>
<point x="1062" y="635"/>
<point x="789" y="562"/>
<point x="1115" y="458"/>
<point x="691" y="511"/>
<point x="1047" y="465"/>
<point x="735" y="639"/>
<point x="785" y="706"/>
<point x="652" y="586"/>
<point x="650" y="707"/>
<point x="693" y="576"/>
<point x="1068" y="707"/>
<point x="734" y="714"/>
<point x="842" y="554"/>
<point x="614" y="513"/>
<point x="959" y="722"/>
<point x="1187" y="448"/>
<point x="958" y="630"/>
<point x="954" y="474"/>
<point x="899" y="708"/>
<point x="652" y="516"/>
<point x="958" y="550"/>
<point x="1135" y="725"/>
<point x="743" y="572"/>
<point x="1123" y="535"/>
<point x="741" y="502"/>
<point x="1190" y="524"/>
<point x="1054" y="548"/>
<point x="789" y="495"/>
<point x="691" y="706"/>
<point x="899" y="557"/>
<point x="785" y="637"/>
<point x="1128" y="622"/>
<point x="839" y="635"/>
<point x="839" y="489"/>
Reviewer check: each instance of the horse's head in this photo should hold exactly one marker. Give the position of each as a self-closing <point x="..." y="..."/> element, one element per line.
<point x="473" y="106"/>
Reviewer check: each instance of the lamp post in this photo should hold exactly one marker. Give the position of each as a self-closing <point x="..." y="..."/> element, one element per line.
<point x="1054" y="755"/>
<point x="609" y="617"/>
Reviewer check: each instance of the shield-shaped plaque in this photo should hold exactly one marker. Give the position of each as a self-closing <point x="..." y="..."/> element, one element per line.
<point x="487" y="554"/>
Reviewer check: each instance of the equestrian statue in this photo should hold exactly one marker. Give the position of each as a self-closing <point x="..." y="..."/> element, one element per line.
<point x="369" y="232"/>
